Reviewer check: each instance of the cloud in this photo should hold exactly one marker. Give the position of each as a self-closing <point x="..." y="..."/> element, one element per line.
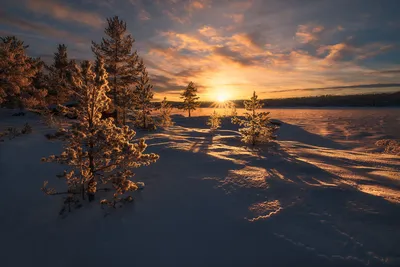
<point x="181" y="11"/>
<point x="219" y="58"/>
<point x="347" y="51"/>
<point x="396" y="71"/>
<point x="344" y="87"/>
<point x="237" y="18"/>
<point x="193" y="5"/>
<point x="208" y="31"/>
<point x="177" y="18"/>
<point x="189" y="73"/>
<point x="241" y="5"/>
<point x="309" y="33"/>
<point x="252" y="41"/>
<point x="65" y="13"/>
<point x="180" y="41"/>
<point x="335" y="52"/>
<point x="235" y="56"/>
<point x="40" y="28"/>
<point x="144" y="15"/>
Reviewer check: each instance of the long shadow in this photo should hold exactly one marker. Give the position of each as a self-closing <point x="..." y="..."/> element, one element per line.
<point x="319" y="213"/>
<point x="351" y="165"/>
<point x="290" y="132"/>
<point x="313" y="210"/>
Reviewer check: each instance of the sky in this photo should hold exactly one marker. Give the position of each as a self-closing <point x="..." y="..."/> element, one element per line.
<point x="230" y="48"/>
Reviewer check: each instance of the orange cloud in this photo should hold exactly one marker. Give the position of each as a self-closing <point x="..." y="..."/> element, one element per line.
<point x="244" y="39"/>
<point x="208" y="31"/>
<point x="341" y="50"/>
<point x="308" y="33"/>
<point x="195" y="5"/>
<point x="240" y="63"/>
<point x="185" y="41"/>
<point x="62" y="12"/>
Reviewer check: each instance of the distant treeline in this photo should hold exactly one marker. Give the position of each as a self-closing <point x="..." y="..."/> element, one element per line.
<point x="360" y="100"/>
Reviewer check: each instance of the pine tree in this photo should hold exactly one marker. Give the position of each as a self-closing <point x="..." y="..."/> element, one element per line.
<point x="214" y="121"/>
<point x="120" y="61"/>
<point x="58" y="78"/>
<point x="190" y="98"/>
<point x="256" y="125"/>
<point x="127" y="95"/>
<point x="143" y="96"/>
<point x="97" y="151"/>
<point x="165" y="113"/>
<point x="17" y="71"/>
<point x="34" y="96"/>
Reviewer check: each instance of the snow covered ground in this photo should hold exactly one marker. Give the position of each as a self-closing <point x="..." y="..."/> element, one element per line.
<point x="320" y="196"/>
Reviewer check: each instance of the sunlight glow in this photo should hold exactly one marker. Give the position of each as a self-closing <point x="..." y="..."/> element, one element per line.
<point x="222" y="97"/>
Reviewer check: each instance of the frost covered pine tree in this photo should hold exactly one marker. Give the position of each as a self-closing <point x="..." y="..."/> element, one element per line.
<point x="143" y="96"/>
<point x="165" y="113"/>
<point x="17" y="72"/>
<point x="190" y="98"/>
<point x="214" y="121"/>
<point x="256" y="125"/>
<point x="97" y="151"/>
<point x="120" y="61"/>
<point x="58" y="78"/>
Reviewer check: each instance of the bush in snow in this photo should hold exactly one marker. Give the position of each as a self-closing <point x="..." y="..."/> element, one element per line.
<point x="214" y="121"/>
<point x="165" y="114"/>
<point x="389" y="146"/>
<point x="257" y="127"/>
<point x="13" y="132"/>
<point x="190" y="98"/>
<point x="27" y="129"/>
<point x="96" y="150"/>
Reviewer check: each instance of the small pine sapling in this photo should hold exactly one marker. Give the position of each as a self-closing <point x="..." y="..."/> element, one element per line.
<point x="257" y="127"/>
<point x="214" y="121"/>
<point x="165" y="114"/>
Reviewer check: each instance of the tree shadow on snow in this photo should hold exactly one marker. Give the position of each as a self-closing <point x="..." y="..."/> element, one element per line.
<point x="289" y="196"/>
<point x="290" y="132"/>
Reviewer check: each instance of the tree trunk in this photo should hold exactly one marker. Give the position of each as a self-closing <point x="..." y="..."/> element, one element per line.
<point x="144" y="119"/>
<point x="115" y="100"/>
<point x="189" y="113"/>
<point x="252" y="126"/>
<point x="124" y="116"/>
<point x="83" y="191"/>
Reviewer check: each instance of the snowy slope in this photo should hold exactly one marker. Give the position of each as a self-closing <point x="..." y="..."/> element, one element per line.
<point x="209" y="201"/>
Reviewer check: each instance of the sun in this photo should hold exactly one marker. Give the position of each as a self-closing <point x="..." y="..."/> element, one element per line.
<point x="222" y="97"/>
